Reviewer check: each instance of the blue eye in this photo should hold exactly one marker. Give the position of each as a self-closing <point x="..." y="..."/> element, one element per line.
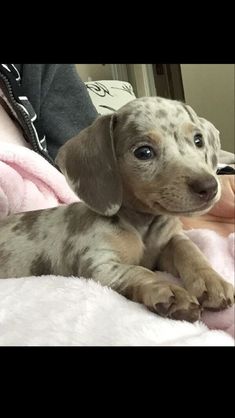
<point x="144" y="153"/>
<point x="198" y="140"/>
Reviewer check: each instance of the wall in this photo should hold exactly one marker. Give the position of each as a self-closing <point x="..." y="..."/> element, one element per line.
<point x="209" y="89"/>
<point x="95" y="71"/>
<point x="141" y="78"/>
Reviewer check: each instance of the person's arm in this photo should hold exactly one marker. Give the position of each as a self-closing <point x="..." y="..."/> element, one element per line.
<point x="60" y="99"/>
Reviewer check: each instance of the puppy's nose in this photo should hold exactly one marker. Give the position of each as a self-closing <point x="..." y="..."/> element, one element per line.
<point x="204" y="187"/>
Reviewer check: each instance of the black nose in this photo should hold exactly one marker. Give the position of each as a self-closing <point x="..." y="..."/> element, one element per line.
<point x="204" y="187"/>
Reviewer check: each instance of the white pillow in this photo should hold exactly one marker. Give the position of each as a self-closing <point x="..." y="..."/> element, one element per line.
<point x="109" y="95"/>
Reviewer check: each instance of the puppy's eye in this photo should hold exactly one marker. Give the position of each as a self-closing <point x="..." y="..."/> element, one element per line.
<point x="144" y="153"/>
<point x="198" y="140"/>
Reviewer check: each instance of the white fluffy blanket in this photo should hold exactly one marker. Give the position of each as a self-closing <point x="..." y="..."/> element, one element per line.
<point x="60" y="311"/>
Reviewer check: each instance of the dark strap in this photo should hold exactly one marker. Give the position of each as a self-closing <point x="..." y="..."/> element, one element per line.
<point x="14" y="84"/>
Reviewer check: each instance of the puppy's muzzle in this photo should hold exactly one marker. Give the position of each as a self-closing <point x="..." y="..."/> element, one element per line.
<point x="205" y="188"/>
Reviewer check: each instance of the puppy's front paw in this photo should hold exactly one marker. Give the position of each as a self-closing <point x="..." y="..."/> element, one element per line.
<point x="172" y="301"/>
<point x="212" y="291"/>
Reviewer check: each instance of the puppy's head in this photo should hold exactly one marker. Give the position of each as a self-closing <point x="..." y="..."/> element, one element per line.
<point x="155" y="155"/>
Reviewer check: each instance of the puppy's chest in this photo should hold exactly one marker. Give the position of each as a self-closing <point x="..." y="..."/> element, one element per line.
<point x="156" y="237"/>
<point x="141" y="245"/>
<point x="127" y="244"/>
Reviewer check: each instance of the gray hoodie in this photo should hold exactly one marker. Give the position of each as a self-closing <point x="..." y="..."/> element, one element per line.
<point x="59" y="98"/>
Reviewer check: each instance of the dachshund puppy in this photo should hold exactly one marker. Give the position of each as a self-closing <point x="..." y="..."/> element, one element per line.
<point x="136" y="171"/>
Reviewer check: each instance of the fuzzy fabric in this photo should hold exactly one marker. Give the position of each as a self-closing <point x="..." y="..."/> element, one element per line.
<point x="220" y="252"/>
<point x="69" y="311"/>
<point x="59" y="311"/>
<point x="29" y="182"/>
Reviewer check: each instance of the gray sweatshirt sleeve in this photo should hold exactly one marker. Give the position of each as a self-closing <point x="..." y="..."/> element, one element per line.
<point x="60" y="99"/>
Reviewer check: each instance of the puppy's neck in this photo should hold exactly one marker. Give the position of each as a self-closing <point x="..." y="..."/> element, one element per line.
<point x="139" y="220"/>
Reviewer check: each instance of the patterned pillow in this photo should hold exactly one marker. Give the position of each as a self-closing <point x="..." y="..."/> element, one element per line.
<point x="109" y="95"/>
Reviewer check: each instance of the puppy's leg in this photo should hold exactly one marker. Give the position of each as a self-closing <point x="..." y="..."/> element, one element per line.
<point x="182" y="258"/>
<point x="144" y="286"/>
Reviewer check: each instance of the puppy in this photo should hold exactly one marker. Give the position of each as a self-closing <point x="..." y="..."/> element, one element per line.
<point x="136" y="171"/>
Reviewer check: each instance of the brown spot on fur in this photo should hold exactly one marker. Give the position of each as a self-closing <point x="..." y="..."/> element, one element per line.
<point x="41" y="265"/>
<point x="113" y="268"/>
<point x="138" y="114"/>
<point x="78" y="221"/>
<point x="75" y="265"/>
<point x="84" y="250"/>
<point x="163" y="221"/>
<point x="131" y="127"/>
<point x="27" y="224"/>
<point x="214" y="160"/>
<point x="67" y="248"/>
<point x="178" y="112"/>
<point x="4" y="254"/>
<point x="86" y="269"/>
<point x="162" y="113"/>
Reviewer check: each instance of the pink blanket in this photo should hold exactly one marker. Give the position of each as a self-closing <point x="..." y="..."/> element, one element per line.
<point x="221" y="254"/>
<point x="29" y="182"/>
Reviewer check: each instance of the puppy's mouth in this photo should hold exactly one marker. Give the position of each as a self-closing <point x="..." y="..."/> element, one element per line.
<point x="196" y="202"/>
<point x="203" y="208"/>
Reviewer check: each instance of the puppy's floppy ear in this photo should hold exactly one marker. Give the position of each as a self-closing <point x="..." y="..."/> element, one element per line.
<point x="89" y="164"/>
